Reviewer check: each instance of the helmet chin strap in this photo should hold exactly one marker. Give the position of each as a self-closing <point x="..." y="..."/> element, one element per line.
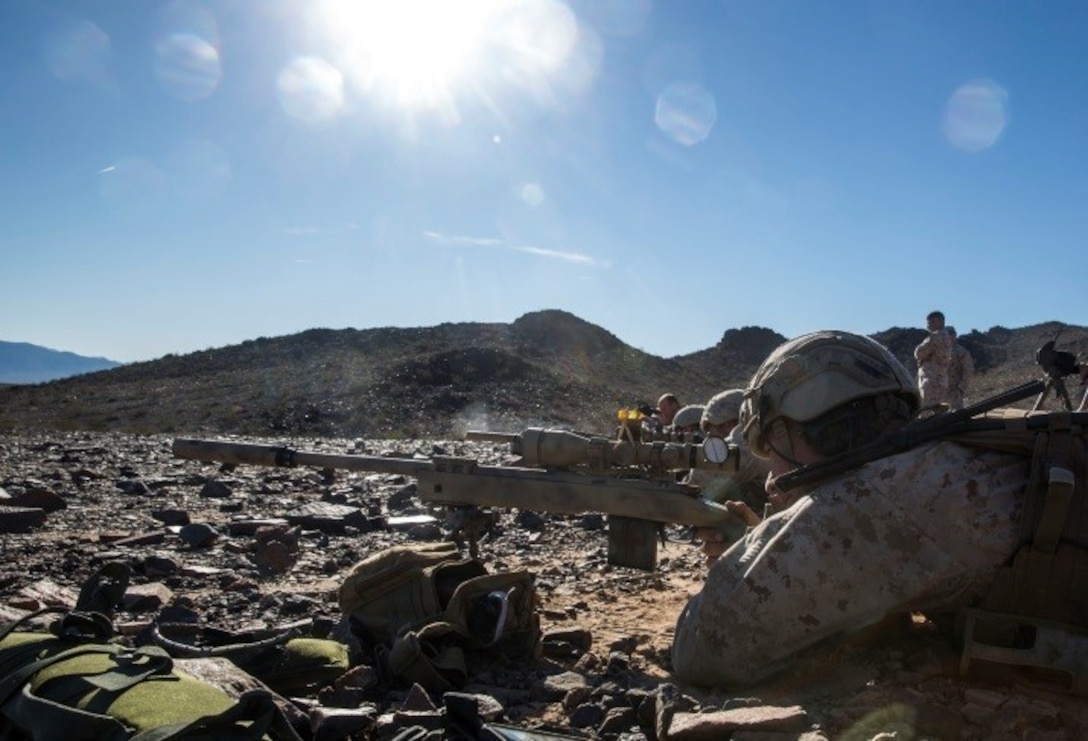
<point x="781" y="435"/>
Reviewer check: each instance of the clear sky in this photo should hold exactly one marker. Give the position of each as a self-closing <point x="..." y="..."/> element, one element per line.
<point x="176" y="176"/>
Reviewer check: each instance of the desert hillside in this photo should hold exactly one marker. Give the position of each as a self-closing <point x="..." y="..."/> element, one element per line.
<point x="545" y="368"/>
<point x="87" y="475"/>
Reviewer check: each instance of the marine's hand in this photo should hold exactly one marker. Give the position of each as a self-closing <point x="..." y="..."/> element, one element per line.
<point x="744" y="512"/>
<point x="714" y="543"/>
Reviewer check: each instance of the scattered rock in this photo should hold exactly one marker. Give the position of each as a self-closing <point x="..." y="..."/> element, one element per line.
<point x="198" y="534"/>
<point x="38" y="496"/>
<point x="147" y="597"/>
<point x="327" y="517"/>
<point x="720" y="724"/>
<point x="20" y="519"/>
<point x="215" y="490"/>
<point x="283" y="561"/>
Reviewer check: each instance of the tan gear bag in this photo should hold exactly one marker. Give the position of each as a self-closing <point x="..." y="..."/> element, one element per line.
<point x="421" y="607"/>
<point x="1035" y="616"/>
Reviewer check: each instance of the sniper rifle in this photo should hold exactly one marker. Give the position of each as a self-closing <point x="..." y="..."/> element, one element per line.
<point x="559" y="471"/>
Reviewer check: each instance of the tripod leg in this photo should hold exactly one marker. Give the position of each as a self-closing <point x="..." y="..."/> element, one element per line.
<point x="1042" y="395"/>
<point x="1064" y="395"/>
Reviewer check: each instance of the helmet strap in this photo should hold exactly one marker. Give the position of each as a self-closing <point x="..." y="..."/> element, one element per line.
<point x="779" y="440"/>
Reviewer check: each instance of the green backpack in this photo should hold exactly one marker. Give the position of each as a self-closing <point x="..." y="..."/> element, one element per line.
<point x="288" y="663"/>
<point x="74" y="683"/>
<point x="421" y="607"/>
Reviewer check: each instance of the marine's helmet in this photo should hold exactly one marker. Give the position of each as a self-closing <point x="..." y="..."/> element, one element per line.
<point x="687" y="416"/>
<point x="722" y="407"/>
<point x="815" y="373"/>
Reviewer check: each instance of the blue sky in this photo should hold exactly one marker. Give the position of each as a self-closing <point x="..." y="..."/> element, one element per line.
<point x="177" y="176"/>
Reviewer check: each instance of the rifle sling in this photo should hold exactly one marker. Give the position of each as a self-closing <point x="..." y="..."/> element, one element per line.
<point x="911" y="436"/>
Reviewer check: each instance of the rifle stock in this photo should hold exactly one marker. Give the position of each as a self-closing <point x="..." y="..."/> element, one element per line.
<point x="568" y="473"/>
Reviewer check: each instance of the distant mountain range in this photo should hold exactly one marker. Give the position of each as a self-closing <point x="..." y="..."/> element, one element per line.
<point x="546" y="368"/>
<point x="21" y="362"/>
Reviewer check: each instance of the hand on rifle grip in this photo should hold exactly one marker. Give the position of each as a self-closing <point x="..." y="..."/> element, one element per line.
<point x="713" y="539"/>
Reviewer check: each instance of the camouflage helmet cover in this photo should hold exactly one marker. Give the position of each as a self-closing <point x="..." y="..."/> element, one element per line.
<point x="722" y="407"/>
<point x="815" y="373"/>
<point x="688" y="416"/>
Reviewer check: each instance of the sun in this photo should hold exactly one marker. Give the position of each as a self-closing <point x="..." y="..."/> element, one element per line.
<point x="412" y="52"/>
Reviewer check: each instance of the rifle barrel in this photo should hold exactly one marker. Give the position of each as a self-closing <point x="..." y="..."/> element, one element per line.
<point x="486" y="436"/>
<point x="256" y="454"/>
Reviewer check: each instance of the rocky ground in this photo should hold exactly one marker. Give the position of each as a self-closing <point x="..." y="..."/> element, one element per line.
<point x="258" y="549"/>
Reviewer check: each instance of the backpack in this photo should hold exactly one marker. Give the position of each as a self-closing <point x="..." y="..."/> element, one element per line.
<point x="75" y="683"/>
<point x="420" y="608"/>
<point x="1035" y="616"/>
<point x="290" y="664"/>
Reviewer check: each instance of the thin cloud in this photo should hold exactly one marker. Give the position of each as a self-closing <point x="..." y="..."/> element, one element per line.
<point x="471" y="241"/>
<point x="301" y="231"/>
<point x="576" y="258"/>
<point x="104" y="170"/>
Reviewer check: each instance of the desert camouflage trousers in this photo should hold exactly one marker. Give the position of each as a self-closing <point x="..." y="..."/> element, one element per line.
<point x="955" y="397"/>
<point x="924" y="530"/>
<point x="933" y="388"/>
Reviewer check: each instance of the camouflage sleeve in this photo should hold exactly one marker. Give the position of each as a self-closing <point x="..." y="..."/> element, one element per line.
<point x="923" y="350"/>
<point x="922" y="529"/>
<point x="942" y="347"/>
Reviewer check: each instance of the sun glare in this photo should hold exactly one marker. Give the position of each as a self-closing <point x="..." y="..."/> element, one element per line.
<point x="414" y="51"/>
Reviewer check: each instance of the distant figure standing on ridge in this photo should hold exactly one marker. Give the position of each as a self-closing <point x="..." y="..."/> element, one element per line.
<point x="934" y="354"/>
<point x="667" y="407"/>
<point x="961" y="369"/>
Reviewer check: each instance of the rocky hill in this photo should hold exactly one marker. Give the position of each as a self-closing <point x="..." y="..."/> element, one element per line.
<point x="545" y="368"/>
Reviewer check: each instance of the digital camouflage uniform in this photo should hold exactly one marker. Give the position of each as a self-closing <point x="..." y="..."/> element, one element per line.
<point x="934" y="354"/>
<point x="922" y="530"/>
<point x="961" y="369"/>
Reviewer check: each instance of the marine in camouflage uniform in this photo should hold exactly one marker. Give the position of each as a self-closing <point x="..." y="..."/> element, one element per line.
<point x="746" y="484"/>
<point x="921" y="531"/>
<point x="961" y="369"/>
<point x="686" y="421"/>
<point x="934" y="354"/>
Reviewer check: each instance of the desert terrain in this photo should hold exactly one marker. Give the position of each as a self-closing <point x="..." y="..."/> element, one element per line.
<point x="607" y="630"/>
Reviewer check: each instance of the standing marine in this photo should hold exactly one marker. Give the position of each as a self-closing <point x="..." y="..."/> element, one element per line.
<point x="934" y="354"/>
